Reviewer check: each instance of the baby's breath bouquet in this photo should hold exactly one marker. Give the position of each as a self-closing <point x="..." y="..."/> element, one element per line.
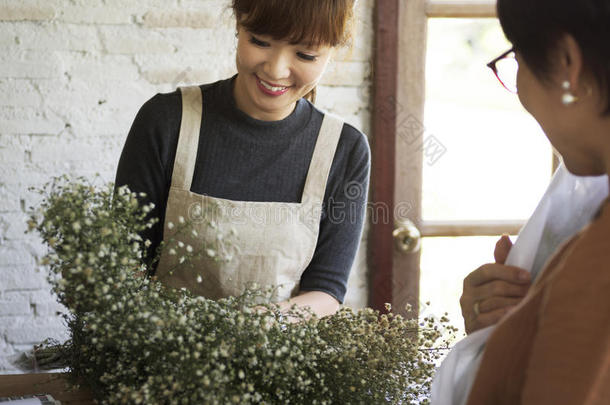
<point x="134" y="341"/>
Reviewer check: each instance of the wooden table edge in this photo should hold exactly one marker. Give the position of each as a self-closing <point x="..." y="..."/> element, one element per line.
<point x="55" y="384"/>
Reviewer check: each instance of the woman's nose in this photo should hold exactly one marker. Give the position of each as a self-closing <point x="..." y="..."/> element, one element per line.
<point x="277" y="66"/>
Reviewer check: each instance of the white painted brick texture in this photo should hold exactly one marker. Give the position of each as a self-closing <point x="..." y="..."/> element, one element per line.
<point x="73" y="74"/>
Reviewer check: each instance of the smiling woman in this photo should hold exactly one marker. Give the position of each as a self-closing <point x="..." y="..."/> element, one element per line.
<point x="273" y="75"/>
<point x="257" y="149"/>
<point x="275" y="37"/>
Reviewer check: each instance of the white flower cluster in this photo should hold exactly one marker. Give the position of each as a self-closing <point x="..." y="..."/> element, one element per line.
<point x="134" y="341"/>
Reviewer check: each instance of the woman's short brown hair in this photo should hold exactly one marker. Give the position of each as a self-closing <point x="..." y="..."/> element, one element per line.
<point x="311" y="22"/>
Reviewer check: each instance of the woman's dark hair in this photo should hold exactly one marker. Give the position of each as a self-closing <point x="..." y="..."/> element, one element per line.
<point x="534" y="27"/>
<point x="311" y="22"/>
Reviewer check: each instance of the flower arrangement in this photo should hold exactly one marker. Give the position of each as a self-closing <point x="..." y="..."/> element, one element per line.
<point x="134" y="341"/>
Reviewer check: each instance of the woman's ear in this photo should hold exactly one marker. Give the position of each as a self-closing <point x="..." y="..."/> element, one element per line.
<point x="570" y="63"/>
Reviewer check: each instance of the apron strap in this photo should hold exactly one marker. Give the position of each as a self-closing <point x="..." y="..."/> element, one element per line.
<point x="188" y="139"/>
<point x="322" y="159"/>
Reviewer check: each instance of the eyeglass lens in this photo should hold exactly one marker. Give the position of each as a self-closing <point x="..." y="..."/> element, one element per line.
<point x="506" y="70"/>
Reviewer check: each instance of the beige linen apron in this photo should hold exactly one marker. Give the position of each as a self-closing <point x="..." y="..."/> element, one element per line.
<point x="241" y="242"/>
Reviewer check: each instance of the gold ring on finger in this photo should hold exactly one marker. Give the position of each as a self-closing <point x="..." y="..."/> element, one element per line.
<point x="476" y="308"/>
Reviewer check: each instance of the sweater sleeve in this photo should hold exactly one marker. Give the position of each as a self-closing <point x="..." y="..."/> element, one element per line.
<point x="147" y="158"/>
<point x="342" y="217"/>
<point x="570" y="358"/>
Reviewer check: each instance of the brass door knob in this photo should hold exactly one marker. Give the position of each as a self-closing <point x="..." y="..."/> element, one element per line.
<point x="407" y="236"/>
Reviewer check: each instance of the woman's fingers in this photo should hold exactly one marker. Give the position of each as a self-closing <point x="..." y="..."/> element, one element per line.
<point x="486" y="316"/>
<point x="489" y="292"/>
<point x="487" y="319"/>
<point x="494" y="271"/>
<point x="502" y="249"/>
<point x="494" y="303"/>
<point x="499" y="288"/>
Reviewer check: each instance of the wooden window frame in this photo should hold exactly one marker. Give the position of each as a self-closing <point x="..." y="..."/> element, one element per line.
<point x="399" y="85"/>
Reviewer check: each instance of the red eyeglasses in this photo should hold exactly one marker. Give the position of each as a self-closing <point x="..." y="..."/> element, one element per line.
<point x="505" y="68"/>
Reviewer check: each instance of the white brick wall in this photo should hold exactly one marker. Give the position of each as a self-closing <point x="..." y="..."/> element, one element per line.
<point x="73" y="74"/>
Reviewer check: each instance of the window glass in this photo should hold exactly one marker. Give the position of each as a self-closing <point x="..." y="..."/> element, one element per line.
<point x="445" y="262"/>
<point x="485" y="157"/>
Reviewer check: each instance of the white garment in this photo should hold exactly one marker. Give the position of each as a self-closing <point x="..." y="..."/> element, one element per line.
<point x="568" y="204"/>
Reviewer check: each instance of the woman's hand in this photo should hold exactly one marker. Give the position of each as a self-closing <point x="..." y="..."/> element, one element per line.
<point x="492" y="290"/>
<point x="318" y="302"/>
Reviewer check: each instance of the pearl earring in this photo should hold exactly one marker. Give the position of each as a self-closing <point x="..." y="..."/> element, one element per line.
<point x="568" y="98"/>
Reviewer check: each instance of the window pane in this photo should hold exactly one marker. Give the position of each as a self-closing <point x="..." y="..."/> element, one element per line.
<point x="497" y="161"/>
<point x="444" y="264"/>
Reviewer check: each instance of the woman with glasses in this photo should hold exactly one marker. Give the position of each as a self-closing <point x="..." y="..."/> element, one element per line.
<point x="553" y="346"/>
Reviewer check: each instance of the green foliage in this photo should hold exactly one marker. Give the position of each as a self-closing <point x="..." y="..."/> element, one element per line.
<point x="135" y="341"/>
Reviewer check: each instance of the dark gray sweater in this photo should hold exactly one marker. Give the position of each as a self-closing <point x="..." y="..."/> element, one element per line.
<point x="244" y="159"/>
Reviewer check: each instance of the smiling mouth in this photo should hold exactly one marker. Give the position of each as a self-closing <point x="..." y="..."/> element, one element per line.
<point x="271" y="87"/>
